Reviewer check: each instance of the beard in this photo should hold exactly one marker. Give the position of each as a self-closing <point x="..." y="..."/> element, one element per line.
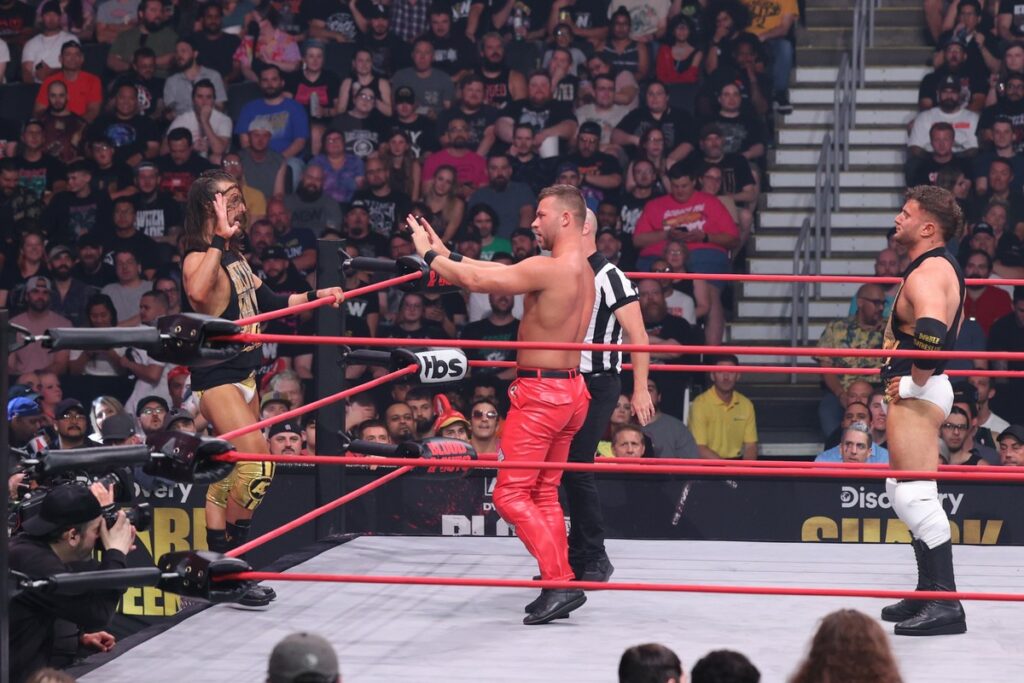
<point x="308" y="193"/>
<point x="494" y="65"/>
<point x="459" y="143"/>
<point x="423" y="425"/>
<point x="500" y="184"/>
<point x="153" y="26"/>
<point x="187" y="65"/>
<point x="273" y="92"/>
<point x="62" y="273"/>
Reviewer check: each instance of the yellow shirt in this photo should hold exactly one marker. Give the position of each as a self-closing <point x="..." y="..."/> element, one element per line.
<point x="255" y="202"/>
<point x="767" y="14"/>
<point x="723" y="428"/>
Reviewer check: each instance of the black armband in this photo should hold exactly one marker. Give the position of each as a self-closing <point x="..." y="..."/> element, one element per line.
<point x="929" y="335"/>
<point x="219" y="242"/>
<point x="429" y="257"/>
<point x="269" y="300"/>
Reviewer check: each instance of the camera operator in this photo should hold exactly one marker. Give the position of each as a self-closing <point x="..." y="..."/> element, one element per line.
<point x="61" y="537"/>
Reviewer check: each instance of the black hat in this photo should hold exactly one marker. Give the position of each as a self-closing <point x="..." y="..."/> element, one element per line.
<point x="590" y="128"/>
<point x="1016" y="431"/>
<point x="405" y="94"/>
<point x="21" y="390"/>
<point x="377" y="11"/>
<point x="359" y="204"/>
<point x="955" y="39"/>
<point x="950" y="82"/>
<point x="66" y="405"/>
<point x="153" y="398"/>
<point x="274" y="251"/>
<point x="524" y="232"/>
<point x="982" y="228"/>
<point x="965" y="392"/>
<point x="64" y="506"/>
<point x="178" y="416"/>
<point x="607" y="231"/>
<point x="118" y="427"/>
<point x="292" y="426"/>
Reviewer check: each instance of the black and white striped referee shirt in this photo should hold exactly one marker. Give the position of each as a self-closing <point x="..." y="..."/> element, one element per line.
<point x="612" y="291"/>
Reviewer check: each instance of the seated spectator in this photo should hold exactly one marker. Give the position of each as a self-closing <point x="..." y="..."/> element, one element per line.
<point x="483" y="426"/>
<point x="1010" y="106"/>
<point x="679" y="59"/>
<point x="737" y="178"/>
<point x="126" y="237"/>
<point x="480" y="117"/>
<point x="603" y="111"/>
<point x="925" y="169"/>
<point x="432" y="88"/>
<point x="303" y="657"/>
<point x="113" y="17"/>
<point x="157" y="215"/>
<point x="470" y="167"/>
<point x="29" y="262"/>
<point x="133" y="135"/>
<point x="83" y="93"/>
<point x="181" y="165"/>
<point x="418" y="128"/>
<point x="1011" y="446"/>
<point x="272" y="404"/>
<point x="179" y="86"/>
<point x="452" y="425"/>
<point x="343" y="171"/>
<point x="285" y="118"/>
<point x="386" y="205"/>
<point x="410" y="322"/>
<point x="40" y="58"/>
<point x="361" y="77"/>
<point x="70" y="421"/>
<point x="210" y="128"/>
<point x="949" y="110"/>
<point x="669" y="436"/>
<point x="298" y="243"/>
<point x="50" y="393"/>
<point x="848" y="646"/>
<point x="650" y="663"/>
<point x="548" y="118"/>
<point x="63" y="131"/>
<point x="722" y="420"/>
<point x="773" y="30"/>
<point x="70" y="295"/>
<point x="77" y="210"/>
<point x="600" y="173"/>
<point x="271" y="47"/>
<point x="984" y="303"/>
<point x="724" y="666"/>
<point x="398" y="157"/>
<point x="968" y="79"/>
<point x="315" y="88"/>
<point x="702" y="223"/>
<point x="502" y="85"/>
<point x="499" y="325"/>
<point x="621" y="48"/>
<point x="363" y="125"/>
<point x="288" y="384"/>
<point x="374" y="431"/>
<point x="130" y="286"/>
<point x="216" y="47"/>
<point x="264" y="169"/>
<point x="285" y="438"/>
<point x="400" y="423"/>
<point x="1002" y="148"/>
<point x="359" y="409"/>
<point x="855" y="445"/>
<point x="678" y="300"/>
<point x="151" y="412"/>
<point x="110" y="175"/>
<point x="986" y="418"/>
<point x="958" y="446"/>
<point x="565" y="84"/>
<point x="151" y="32"/>
<point x="527" y="166"/>
<point x="309" y="207"/>
<point x="90" y="268"/>
<point x="445" y="207"/>
<point x="37" y="318"/>
<point x="482" y="225"/>
<point x="149" y="85"/>
<point x="856" y="408"/>
<point x="512" y="201"/>
<point x="628" y="441"/>
<point x="878" y="409"/>
<point x="38" y="172"/>
<point x="744" y="64"/>
<point x="17" y="202"/>
<point x="675" y="124"/>
<point x="887" y="264"/>
<point x="863" y="330"/>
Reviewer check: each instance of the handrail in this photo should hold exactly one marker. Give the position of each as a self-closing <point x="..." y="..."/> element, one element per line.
<point x="799" y="307"/>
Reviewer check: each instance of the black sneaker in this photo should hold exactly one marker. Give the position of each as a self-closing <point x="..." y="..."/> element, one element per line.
<point x="597" y="570"/>
<point x="257" y="598"/>
<point x="782" y="105"/>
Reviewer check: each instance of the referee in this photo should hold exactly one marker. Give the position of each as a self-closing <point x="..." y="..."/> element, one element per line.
<point x="616" y="310"/>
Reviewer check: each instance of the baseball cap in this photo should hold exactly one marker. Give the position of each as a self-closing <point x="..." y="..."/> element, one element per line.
<point x="377" y="11"/>
<point x="274" y="397"/>
<point x="58" y="249"/>
<point x="710" y="129"/>
<point x="607" y="231"/>
<point x="567" y="166"/>
<point x="292" y="426"/>
<point x="260" y="124"/>
<point x="304" y="656"/>
<point x="1016" y="431"/>
<point x="949" y="83"/>
<point x="51" y="6"/>
<point x="64" y="506"/>
<point x="90" y="239"/>
<point x="405" y="94"/>
<point x="23" y="406"/>
<point x="965" y="392"/>
<point x="146" y="166"/>
<point x="179" y="416"/>
<point x="524" y="232"/>
<point x="448" y="419"/>
<point x="39" y="282"/>
<point x="151" y="399"/>
<point x="17" y="390"/>
<point x="983" y="228"/>
<point x="67" y="404"/>
<point x="118" y="427"/>
<point x="359" y="204"/>
<point x="590" y="128"/>
<point x="274" y="251"/>
<point x="955" y="39"/>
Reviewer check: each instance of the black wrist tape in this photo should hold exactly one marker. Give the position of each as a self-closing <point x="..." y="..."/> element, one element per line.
<point x="219" y="242"/>
<point x="429" y="257"/>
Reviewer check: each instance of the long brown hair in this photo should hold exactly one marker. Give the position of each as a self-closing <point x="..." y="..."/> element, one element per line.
<point x="849" y="647"/>
<point x="199" y="209"/>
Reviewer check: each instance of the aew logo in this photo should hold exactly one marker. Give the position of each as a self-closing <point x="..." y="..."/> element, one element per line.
<point x="442" y="365"/>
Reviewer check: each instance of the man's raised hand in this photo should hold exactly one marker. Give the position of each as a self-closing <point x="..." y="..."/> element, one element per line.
<point x="222" y="228"/>
<point x="424" y="238"/>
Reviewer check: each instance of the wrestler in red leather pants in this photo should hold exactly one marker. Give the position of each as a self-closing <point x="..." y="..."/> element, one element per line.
<point x="544" y="417"/>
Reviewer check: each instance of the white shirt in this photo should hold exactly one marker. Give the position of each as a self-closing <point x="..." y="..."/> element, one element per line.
<point x="964" y="123"/>
<point x="995" y="424"/>
<point x="5" y="57"/>
<point x="142" y="387"/>
<point x="221" y="124"/>
<point x="46" y="49"/>
<point x="607" y="119"/>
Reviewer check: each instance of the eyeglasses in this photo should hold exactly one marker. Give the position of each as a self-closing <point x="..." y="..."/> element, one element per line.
<point x="232" y="163"/>
<point x="876" y="302"/>
<point x="72" y="416"/>
<point x="153" y="411"/>
<point x="490" y="414"/>
<point x="954" y="428"/>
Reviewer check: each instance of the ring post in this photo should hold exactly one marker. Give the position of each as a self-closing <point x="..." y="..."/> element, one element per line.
<point x="5" y="461"/>
<point x="329" y="378"/>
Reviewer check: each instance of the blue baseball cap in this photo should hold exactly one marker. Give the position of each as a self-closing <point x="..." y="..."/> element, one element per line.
<point x="17" y="390"/>
<point x="23" y="406"/>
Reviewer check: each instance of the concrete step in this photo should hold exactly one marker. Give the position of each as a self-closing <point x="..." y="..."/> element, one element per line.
<point x="740" y="332"/>
<point x="808" y="156"/>
<point x="907" y="17"/>
<point x="847" y="200"/>
<point x="854" y="264"/>
<point x="785" y="450"/>
<point x="765" y="244"/>
<point x="907" y="75"/>
<point x="846" y="4"/>
<point x="829" y="309"/>
<point x="841" y="36"/>
<point x="881" y="179"/>
<point x="863" y="137"/>
<point x="809" y="115"/>
<point x="876" y="56"/>
<point x="864" y="220"/>
<point x="816" y="94"/>
<point x="777" y="290"/>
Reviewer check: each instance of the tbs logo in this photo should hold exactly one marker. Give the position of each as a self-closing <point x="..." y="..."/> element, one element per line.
<point x="442" y="365"/>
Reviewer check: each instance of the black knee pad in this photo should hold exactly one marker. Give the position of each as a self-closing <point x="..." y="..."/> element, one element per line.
<point x="238" y="533"/>
<point x="217" y="540"/>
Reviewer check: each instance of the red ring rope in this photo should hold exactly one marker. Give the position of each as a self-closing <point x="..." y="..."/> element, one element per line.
<point x="779" y="277"/>
<point x="599" y="586"/>
<point x="789" y="464"/>
<point x="692" y="470"/>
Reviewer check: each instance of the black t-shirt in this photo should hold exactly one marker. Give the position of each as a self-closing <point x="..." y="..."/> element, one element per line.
<point x="928" y="171"/>
<point x="103" y="276"/>
<point x="1015" y="8"/>
<point x="39" y="176"/>
<point x="326" y="88"/>
<point x="538" y="173"/>
<point x="484" y="329"/>
<point x="155" y="215"/>
<point x="69" y="216"/>
<point x="336" y="16"/>
<point x="176" y="179"/>
<point x="362" y="136"/>
<point x="567" y="89"/>
<point x="374" y="244"/>
<point x="361" y="307"/>
<point x="538" y="117"/>
<point x="478" y="121"/>
<point x="296" y="241"/>
<point x="599" y="164"/>
<point x="119" y="174"/>
<point x="736" y="173"/>
<point x="973" y="80"/>
<point x="389" y="53"/>
<point x="739" y="133"/>
<point x="1010" y="250"/>
<point x="422" y="134"/>
<point x="728" y="74"/>
<point x="144" y="248"/>
<point x="385" y="211"/>
<point x="14" y="19"/>
<point x="1011" y="110"/>
<point x="675" y="124"/>
<point x="589" y="13"/>
<point x="150" y="90"/>
<point x="452" y="53"/>
<point x="428" y="330"/>
<point x="129" y="137"/>
<point x="218" y="53"/>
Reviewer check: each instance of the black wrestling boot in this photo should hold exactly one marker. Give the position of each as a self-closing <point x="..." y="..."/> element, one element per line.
<point x="554" y="604"/>
<point x="258" y="597"/>
<point x="937" y="617"/>
<point x="904" y="609"/>
<point x="536" y="603"/>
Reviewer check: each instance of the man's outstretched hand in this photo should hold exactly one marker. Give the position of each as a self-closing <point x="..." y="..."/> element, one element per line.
<point x="424" y="238"/>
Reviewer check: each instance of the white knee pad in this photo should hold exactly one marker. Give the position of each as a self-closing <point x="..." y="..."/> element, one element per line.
<point x="917" y="504"/>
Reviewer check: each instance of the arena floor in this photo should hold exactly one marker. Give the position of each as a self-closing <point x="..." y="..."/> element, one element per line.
<point x="426" y="633"/>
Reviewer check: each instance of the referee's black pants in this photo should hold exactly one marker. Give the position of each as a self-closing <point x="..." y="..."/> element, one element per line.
<point x="586" y="531"/>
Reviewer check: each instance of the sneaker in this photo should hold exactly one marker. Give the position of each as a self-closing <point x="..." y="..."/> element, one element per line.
<point x="597" y="570"/>
<point x="782" y="105"/>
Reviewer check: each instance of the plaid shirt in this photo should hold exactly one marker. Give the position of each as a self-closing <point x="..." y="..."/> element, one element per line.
<point x="409" y="19"/>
